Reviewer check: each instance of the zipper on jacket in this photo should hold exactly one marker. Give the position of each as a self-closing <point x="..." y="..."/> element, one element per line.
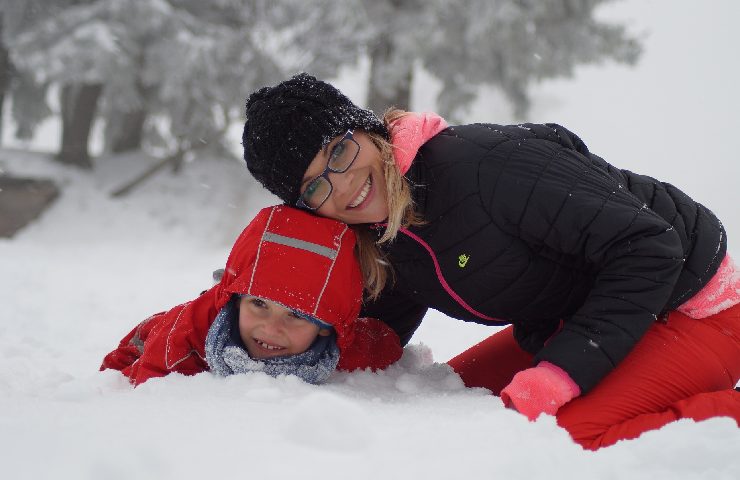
<point x="441" y="279"/>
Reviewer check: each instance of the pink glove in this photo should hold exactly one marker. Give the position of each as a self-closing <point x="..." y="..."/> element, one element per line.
<point x="542" y="389"/>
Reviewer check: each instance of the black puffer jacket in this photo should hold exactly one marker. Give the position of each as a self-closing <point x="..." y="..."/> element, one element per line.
<point x="529" y="227"/>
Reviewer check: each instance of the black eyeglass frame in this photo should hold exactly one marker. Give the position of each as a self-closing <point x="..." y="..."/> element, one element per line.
<point x="348" y="136"/>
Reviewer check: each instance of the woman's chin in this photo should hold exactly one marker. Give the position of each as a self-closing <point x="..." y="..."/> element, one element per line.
<point x="366" y="217"/>
<point x="374" y="211"/>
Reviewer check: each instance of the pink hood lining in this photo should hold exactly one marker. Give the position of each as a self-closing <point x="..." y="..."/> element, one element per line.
<point x="410" y="132"/>
<point x="721" y="293"/>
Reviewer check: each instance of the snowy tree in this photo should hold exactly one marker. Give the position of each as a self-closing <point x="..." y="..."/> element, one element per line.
<point x="469" y="43"/>
<point x="173" y="74"/>
<point x="46" y="52"/>
<point x="99" y="50"/>
<point x="240" y="45"/>
<point x="176" y="72"/>
<point x="29" y="104"/>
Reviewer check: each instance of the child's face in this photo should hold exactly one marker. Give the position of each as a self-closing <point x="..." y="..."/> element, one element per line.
<point x="270" y="330"/>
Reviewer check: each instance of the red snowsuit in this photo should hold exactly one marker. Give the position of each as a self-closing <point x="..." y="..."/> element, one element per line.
<point x="681" y="368"/>
<point x="301" y="261"/>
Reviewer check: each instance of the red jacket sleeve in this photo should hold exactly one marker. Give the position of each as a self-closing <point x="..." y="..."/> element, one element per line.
<point x="172" y="341"/>
<point x="374" y="345"/>
<point x="131" y="346"/>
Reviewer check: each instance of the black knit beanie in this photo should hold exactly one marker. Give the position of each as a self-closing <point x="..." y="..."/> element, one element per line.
<point x="289" y="123"/>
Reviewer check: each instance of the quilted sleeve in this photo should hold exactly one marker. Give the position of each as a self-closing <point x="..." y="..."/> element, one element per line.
<point x="560" y="203"/>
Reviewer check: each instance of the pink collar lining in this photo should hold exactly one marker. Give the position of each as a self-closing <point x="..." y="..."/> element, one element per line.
<point x="410" y="132"/>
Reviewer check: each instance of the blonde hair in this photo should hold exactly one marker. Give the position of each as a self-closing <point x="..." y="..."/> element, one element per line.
<point x="376" y="270"/>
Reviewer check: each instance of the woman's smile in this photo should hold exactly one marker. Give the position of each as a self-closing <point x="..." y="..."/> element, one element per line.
<point x="366" y="188"/>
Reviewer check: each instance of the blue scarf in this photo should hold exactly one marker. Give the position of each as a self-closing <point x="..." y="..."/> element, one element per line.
<point x="226" y="354"/>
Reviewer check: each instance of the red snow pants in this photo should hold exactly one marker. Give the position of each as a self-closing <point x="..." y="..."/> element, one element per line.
<point x="682" y="368"/>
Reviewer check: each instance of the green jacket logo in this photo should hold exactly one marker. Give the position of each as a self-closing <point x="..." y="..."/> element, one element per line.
<point x="462" y="260"/>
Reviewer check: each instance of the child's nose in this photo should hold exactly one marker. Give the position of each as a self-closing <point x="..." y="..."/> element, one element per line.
<point x="274" y="324"/>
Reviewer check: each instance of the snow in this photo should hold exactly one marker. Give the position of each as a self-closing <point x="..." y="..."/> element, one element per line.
<point x="78" y="279"/>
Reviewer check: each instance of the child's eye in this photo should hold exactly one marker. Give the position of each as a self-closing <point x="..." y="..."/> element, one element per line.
<point x="258" y="302"/>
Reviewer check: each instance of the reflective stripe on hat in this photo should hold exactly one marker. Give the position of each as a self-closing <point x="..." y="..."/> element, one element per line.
<point x="327" y="252"/>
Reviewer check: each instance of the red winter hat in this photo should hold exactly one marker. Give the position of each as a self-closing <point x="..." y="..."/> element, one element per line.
<point x="301" y="261"/>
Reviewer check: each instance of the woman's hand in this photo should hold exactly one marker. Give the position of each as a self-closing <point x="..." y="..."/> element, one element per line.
<point x="542" y="389"/>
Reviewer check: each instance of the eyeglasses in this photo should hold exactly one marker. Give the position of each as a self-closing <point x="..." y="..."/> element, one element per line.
<point x="342" y="156"/>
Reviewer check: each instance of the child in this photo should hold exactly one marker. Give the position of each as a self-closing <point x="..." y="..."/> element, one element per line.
<point x="287" y="303"/>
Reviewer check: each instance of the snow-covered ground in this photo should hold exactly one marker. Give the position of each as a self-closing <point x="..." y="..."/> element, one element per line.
<point x="77" y="280"/>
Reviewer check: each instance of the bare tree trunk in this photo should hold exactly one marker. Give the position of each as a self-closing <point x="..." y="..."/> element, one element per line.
<point x="2" y="115"/>
<point x="79" y="103"/>
<point x="128" y="133"/>
<point x="388" y="87"/>
<point x="5" y="74"/>
<point x="125" y="131"/>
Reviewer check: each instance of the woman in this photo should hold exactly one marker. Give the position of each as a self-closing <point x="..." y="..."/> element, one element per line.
<point x="622" y="300"/>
